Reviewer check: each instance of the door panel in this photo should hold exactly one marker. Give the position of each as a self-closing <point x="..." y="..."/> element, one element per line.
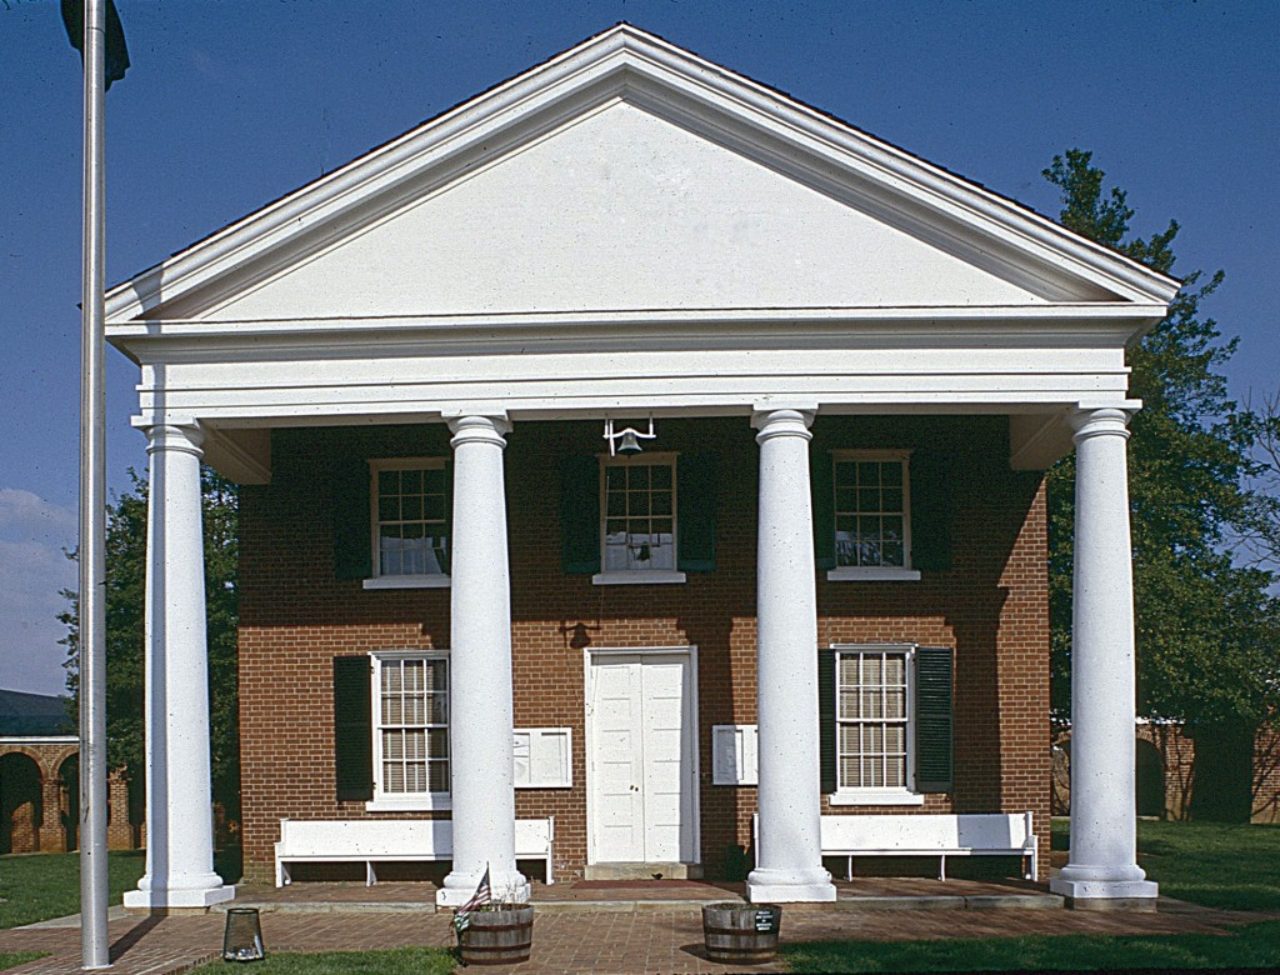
<point x="619" y="760"/>
<point x="664" y="783"/>
<point x="642" y="775"/>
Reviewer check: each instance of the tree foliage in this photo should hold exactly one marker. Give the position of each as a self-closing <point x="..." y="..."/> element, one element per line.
<point x="1206" y="627"/>
<point x="1261" y="537"/>
<point x="126" y="586"/>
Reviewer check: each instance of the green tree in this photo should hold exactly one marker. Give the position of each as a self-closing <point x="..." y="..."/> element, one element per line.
<point x="126" y="582"/>
<point x="1206" y="627"/>
<point x="1261" y="537"/>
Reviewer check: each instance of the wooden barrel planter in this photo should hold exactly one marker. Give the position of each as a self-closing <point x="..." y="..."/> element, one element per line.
<point x="503" y="937"/>
<point x="743" y="934"/>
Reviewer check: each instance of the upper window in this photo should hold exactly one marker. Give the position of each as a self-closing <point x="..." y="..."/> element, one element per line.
<point x="638" y="512"/>
<point x="410" y="522"/>
<point x="872" y="514"/>
<point x="411" y="727"/>
<point x="874" y="733"/>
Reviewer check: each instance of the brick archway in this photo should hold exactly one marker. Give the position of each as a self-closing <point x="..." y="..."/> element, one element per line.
<point x="21" y="802"/>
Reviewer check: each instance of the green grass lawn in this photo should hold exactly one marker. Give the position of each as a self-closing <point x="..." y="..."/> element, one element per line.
<point x="14" y="958"/>
<point x="1236" y="867"/>
<point x="400" y="961"/>
<point x="38" y="886"/>
<point x="1256" y="946"/>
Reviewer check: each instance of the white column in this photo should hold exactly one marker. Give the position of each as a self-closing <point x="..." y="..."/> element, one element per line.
<point x="1102" y="869"/>
<point x="176" y="704"/>
<point x="484" y="805"/>
<point x="789" y="852"/>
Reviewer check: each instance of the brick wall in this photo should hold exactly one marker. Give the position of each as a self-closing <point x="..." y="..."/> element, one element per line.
<point x="295" y="617"/>
<point x="1166" y="772"/>
<point x="39" y="801"/>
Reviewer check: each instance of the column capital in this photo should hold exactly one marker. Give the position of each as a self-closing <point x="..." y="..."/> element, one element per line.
<point x="1109" y="421"/>
<point x="479" y="429"/>
<point x="185" y="437"/>
<point x="782" y="423"/>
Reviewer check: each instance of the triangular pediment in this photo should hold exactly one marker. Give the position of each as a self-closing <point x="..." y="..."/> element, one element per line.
<point x="622" y="210"/>
<point x="627" y="175"/>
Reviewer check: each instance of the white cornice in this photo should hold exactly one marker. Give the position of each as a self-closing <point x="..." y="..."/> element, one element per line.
<point x="1134" y="314"/>
<point x="627" y="62"/>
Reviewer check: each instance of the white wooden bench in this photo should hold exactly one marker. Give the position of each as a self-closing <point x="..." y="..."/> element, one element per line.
<point x="370" y="841"/>
<point x="940" y="835"/>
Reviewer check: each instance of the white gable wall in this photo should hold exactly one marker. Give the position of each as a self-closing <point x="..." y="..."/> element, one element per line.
<point x="622" y="210"/>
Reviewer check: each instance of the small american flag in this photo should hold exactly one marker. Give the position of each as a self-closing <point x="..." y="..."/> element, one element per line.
<point x="482" y="896"/>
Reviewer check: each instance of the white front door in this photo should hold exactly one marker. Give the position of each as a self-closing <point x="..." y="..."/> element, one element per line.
<point x="642" y="754"/>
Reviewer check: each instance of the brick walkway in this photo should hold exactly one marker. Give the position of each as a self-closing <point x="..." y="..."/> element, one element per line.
<point x="665" y="938"/>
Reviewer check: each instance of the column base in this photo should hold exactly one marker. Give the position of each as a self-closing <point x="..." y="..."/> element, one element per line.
<point x="790" y="893"/>
<point x="514" y="888"/>
<point x="1101" y="895"/>
<point x="197" y="898"/>
<point x="790" y="886"/>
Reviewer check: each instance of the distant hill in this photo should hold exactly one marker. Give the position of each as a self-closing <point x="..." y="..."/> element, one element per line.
<point x="34" y="714"/>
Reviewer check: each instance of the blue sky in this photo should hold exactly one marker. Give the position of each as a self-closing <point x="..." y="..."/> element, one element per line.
<point x="229" y="104"/>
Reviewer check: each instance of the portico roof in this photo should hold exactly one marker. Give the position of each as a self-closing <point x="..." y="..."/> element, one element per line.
<point x="607" y="102"/>
<point x="628" y="226"/>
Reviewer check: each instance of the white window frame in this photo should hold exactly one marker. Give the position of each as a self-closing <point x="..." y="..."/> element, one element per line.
<point x="626" y="577"/>
<point x="886" y="795"/>
<point x="877" y="573"/>
<point x="735" y="752"/>
<point x="434" y="580"/>
<point x="535" y="739"/>
<point x="401" y="801"/>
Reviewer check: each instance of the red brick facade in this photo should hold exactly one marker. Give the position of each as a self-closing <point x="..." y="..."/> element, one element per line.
<point x="991" y="606"/>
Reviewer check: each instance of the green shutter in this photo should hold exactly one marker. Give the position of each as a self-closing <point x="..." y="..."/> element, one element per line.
<point x="933" y="720"/>
<point x="446" y="560"/>
<point x="696" y="512"/>
<point x="580" y="515"/>
<point x="930" y="473"/>
<point x="827" y="720"/>
<point x="352" y="530"/>
<point x="824" y="508"/>
<point x="352" y="728"/>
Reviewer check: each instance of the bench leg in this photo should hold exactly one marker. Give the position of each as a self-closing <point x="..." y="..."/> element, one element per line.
<point x="942" y="868"/>
<point x="848" y="868"/>
<point x="370" y="875"/>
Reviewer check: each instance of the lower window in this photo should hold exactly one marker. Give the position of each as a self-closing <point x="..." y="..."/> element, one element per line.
<point x="874" y="733"/>
<point x="411" y="727"/>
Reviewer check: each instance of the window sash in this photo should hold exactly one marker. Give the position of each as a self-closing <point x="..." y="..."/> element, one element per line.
<point x="638" y="514"/>
<point x="409" y="517"/>
<point x="871" y="508"/>
<point x="411" y="725"/>
<point x="874" y="732"/>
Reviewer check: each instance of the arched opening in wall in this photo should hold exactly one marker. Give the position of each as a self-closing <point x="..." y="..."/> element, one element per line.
<point x="1223" y="772"/>
<point x="69" y="802"/>
<point x="1060" y="780"/>
<point x="137" y="811"/>
<point x="21" y="810"/>
<point x="1150" y="776"/>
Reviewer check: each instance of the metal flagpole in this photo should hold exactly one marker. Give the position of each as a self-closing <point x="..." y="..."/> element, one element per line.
<point x="95" y="951"/>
